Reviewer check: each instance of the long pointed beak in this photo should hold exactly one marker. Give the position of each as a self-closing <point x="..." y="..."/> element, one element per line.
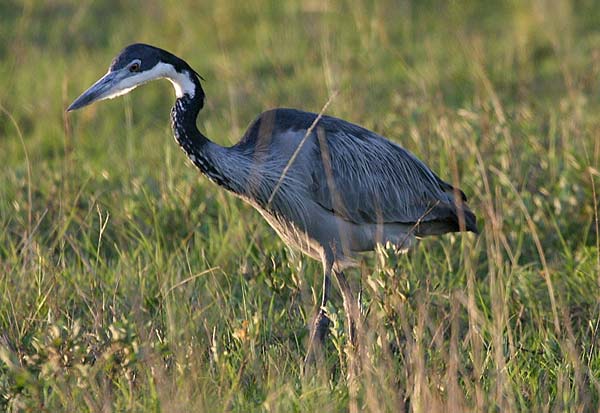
<point x="102" y="89"/>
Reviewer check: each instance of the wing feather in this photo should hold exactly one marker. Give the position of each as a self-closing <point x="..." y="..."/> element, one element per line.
<point x="366" y="178"/>
<point x="359" y="175"/>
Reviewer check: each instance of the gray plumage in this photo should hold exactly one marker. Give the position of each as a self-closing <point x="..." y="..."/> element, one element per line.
<point x="347" y="189"/>
<point x="329" y="188"/>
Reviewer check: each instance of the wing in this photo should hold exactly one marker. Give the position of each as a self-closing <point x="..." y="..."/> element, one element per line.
<point x="365" y="178"/>
<point x="359" y="175"/>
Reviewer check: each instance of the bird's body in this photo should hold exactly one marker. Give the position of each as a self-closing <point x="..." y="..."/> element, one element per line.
<point x="327" y="185"/>
<point x="329" y="188"/>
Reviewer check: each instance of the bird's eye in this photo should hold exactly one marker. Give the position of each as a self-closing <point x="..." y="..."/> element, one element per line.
<point x="135" y="67"/>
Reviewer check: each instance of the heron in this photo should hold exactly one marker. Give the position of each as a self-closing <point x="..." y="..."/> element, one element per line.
<point x="329" y="188"/>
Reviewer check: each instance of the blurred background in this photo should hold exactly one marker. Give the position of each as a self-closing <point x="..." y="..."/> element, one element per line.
<point x="130" y="282"/>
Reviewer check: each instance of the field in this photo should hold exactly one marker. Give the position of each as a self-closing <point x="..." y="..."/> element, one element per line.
<point x="129" y="282"/>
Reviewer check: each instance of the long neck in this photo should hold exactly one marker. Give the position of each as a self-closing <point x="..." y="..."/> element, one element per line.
<point x="199" y="149"/>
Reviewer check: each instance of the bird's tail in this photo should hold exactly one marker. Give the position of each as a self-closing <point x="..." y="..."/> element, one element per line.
<point x="451" y="218"/>
<point x="470" y="220"/>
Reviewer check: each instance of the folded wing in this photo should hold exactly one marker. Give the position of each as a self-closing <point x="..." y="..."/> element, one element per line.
<point x="364" y="178"/>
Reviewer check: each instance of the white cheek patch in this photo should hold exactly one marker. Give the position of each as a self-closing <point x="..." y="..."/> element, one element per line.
<point x="181" y="81"/>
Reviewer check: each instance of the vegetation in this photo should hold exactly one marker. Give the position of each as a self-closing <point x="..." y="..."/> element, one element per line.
<point x="128" y="282"/>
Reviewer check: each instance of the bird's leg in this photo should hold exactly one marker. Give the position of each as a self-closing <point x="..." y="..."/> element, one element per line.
<point x="320" y="325"/>
<point x="350" y="306"/>
<point x="354" y="349"/>
<point x="321" y="322"/>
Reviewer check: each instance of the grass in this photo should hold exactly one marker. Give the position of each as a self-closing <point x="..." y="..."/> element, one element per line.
<point x="130" y="283"/>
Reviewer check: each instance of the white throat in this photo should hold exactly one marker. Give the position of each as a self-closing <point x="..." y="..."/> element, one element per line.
<point x="182" y="83"/>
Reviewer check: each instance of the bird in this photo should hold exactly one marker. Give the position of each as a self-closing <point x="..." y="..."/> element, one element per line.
<point x="329" y="188"/>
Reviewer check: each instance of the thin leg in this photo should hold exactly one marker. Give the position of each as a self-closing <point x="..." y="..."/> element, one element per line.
<point x="350" y="306"/>
<point x="320" y="325"/>
<point x="353" y="352"/>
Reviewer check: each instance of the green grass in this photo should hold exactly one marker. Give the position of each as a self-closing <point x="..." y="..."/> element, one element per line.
<point x="128" y="282"/>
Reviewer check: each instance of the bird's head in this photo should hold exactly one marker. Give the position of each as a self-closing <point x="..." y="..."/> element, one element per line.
<point x="136" y="65"/>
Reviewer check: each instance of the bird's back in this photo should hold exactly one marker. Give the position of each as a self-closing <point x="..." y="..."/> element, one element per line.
<point x="342" y="187"/>
<point x="357" y="174"/>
